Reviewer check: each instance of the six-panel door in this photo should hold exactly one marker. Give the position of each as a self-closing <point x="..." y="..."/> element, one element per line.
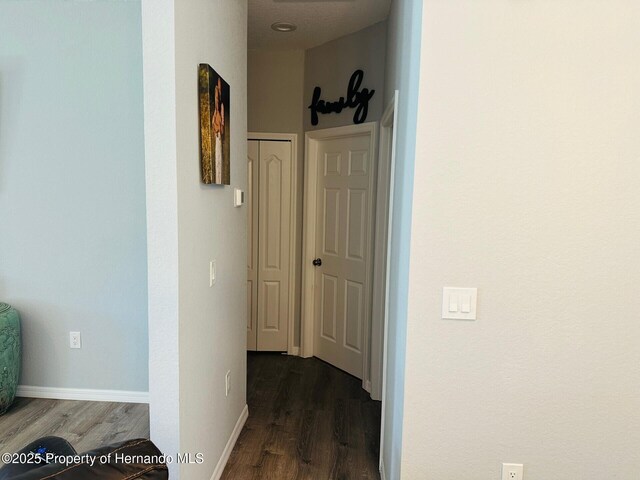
<point x="343" y="242"/>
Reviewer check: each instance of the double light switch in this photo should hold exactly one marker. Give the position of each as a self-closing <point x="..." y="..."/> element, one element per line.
<point x="459" y="303"/>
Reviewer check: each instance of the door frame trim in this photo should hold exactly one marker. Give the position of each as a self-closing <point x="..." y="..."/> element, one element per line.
<point x="389" y="120"/>
<point x="312" y="140"/>
<point x="293" y="225"/>
<point x="383" y="208"/>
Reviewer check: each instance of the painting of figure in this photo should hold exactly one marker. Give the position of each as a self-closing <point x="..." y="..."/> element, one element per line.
<point x="215" y="147"/>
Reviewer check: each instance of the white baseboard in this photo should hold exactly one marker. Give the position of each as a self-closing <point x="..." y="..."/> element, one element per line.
<point x="294" y="351"/>
<point x="83" y="394"/>
<point x="367" y="386"/>
<point x="226" y="453"/>
<point x="382" y="474"/>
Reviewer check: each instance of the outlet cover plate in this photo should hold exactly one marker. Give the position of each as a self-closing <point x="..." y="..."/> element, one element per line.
<point x="512" y="471"/>
<point x="75" y="341"/>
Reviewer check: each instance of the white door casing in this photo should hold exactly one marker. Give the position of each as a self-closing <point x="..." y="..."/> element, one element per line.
<point x="253" y="149"/>
<point x="384" y="192"/>
<point x="339" y="187"/>
<point x="388" y="123"/>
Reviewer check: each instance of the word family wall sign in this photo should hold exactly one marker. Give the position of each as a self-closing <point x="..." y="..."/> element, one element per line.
<point x="356" y="98"/>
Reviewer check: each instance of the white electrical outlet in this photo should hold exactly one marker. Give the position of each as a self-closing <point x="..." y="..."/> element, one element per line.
<point x="512" y="471"/>
<point x="227" y="383"/>
<point x="74" y="340"/>
<point x="212" y="273"/>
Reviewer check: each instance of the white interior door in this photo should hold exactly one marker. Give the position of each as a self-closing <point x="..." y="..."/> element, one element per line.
<point x="344" y="238"/>
<point x="253" y="150"/>
<point x="269" y="231"/>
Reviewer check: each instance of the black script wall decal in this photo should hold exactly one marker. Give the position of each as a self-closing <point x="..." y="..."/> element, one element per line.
<point x="356" y="98"/>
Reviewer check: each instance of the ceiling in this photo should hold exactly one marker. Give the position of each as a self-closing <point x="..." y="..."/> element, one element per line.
<point x="318" y="21"/>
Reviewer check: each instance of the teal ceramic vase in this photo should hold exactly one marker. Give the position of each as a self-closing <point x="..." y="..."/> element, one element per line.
<point x="10" y="355"/>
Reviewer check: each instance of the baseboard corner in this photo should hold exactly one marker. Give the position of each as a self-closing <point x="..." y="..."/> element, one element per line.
<point x="226" y="453"/>
<point x="295" y="351"/>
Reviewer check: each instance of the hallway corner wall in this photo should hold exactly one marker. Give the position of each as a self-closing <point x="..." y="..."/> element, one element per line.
<point x="402" y="73"/>
<point x="197" y="331"/>
<point x="275" y="80"/>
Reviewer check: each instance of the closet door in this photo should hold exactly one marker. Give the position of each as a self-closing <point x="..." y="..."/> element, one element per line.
<point x="252" y="254"/>
<point x="274" y="202"/>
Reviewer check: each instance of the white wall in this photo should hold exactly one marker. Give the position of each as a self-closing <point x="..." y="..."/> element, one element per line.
<point x="213" y="322"/>
<point x="274" y="105"/>
<point x="275" y="90"/>
<point x="72" y="193"/>
<point x="193" y="224"/>
<point x="526" y="186"/>
<point x="401" y="73"/>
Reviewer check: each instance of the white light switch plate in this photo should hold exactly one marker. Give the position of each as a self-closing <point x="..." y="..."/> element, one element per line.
<point x="238" y="198"/>
<point x="212" y="273"/>
<point x="459" y="303"/>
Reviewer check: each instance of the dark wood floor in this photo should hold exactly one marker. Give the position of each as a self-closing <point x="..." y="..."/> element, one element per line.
<point x="86" y="425"/>
<point x="307" y="421"/>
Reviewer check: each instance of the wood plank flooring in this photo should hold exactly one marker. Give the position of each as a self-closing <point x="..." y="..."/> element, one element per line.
<point x="86" y="425"/>
<point x="307" y="421"/>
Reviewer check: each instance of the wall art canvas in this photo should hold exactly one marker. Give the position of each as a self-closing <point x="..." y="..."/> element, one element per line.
<point x="215" y="145"/>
